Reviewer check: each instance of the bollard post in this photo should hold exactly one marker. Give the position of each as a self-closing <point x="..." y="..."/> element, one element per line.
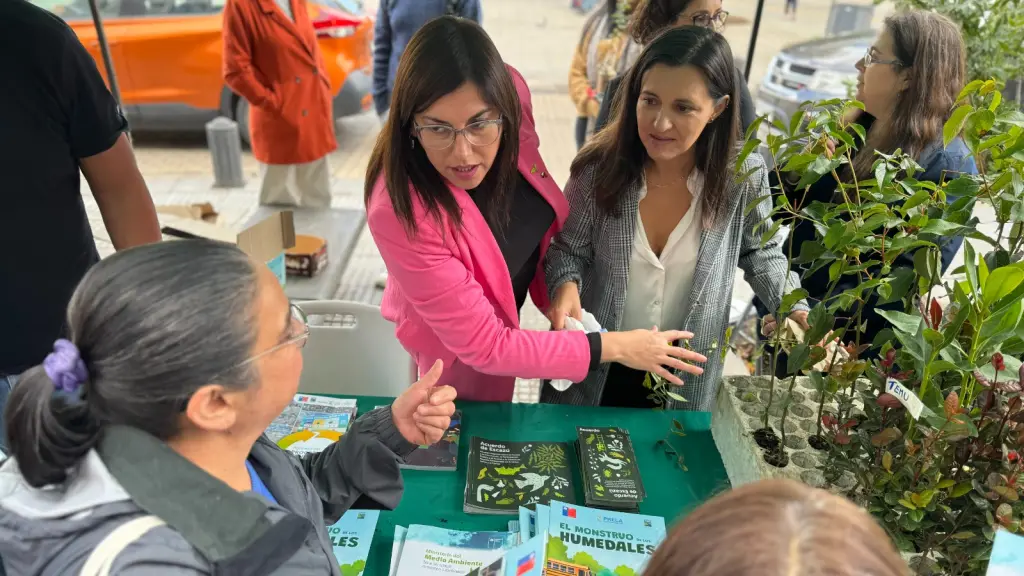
<point x="226" y="152"/>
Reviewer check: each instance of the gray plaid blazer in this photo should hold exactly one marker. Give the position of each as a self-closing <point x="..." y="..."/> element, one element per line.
<point x="593" y="250"/>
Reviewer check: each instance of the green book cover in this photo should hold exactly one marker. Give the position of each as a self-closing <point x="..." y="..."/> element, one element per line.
<point x="502" y="476"/>
<point x="608" y="468"/>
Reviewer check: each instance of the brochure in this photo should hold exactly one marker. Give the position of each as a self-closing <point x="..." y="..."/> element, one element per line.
<point x="600" y="541"/>
<point x="532" y="522"/>
<point x="351" y="537"/>
<point x="611" y="478"/>
<point x="396" y="549"/>
<point x="527" y="559"/>
<point x="502" y="476"/>
<point x="430" y="550"/>
<point x="311" y="423"/>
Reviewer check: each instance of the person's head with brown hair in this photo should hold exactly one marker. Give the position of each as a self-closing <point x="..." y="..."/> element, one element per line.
<point x="454" y="120"/>
<point x="673" y="108"/>
<point x="777" y="528"/>
<point x="652" y="17"/>
<point x="909" y="81"/>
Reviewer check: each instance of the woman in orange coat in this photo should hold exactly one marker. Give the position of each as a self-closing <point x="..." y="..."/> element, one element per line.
<point x="272" y="59"/>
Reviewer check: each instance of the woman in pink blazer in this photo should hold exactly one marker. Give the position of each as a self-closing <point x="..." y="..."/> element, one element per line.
<point x="462" y="209"/>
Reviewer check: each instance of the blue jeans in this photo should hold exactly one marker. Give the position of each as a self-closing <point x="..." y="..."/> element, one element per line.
<point x="6" y="383"/>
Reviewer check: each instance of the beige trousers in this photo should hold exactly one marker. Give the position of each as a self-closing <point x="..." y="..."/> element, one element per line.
<point x="307" y="185"/>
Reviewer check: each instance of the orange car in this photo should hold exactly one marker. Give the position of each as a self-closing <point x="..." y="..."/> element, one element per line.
<point x="167" y="57"/>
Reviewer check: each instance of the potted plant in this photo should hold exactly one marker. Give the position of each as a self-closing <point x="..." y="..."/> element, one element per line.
<point x="927" y="434"/>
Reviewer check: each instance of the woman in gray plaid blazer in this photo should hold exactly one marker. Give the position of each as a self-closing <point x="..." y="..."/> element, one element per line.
<point x="657" y="226"/>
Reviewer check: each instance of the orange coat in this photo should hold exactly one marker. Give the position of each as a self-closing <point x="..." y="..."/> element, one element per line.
<point x="276" y="65"/>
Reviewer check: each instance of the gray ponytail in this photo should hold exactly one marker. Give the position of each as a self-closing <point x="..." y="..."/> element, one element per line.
<point x="153" y="324"/>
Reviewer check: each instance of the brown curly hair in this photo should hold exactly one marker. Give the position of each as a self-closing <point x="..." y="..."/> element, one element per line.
<point x="651" y="17"/>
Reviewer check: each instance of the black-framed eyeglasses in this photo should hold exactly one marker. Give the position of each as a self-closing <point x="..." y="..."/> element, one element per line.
<point x="479" y="133"/>
<point x="714" y="21"/>
<point x="870" y="58"/>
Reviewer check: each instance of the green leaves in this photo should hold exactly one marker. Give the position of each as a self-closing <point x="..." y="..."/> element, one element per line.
<point x="905" y="322"/>
<point x="820" y="322"/>
<point x="955" y="124"/>
<point x="971" y="266"/>
<point x="878" y="239"/>
<point x="941" y="228"/>
<point x="886" y="437"/>
<point x="790" y="299"/>
<point x="798" y="357"/>
<point x="960" y="489"/>
<point x="751" y="145"/>
<point x="1001" y="281"/>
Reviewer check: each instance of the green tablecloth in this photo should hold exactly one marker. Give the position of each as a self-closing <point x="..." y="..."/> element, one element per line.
<point x="435" y="498"/>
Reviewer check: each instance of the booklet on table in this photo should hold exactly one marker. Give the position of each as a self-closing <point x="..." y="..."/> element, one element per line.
<point x="501" y="476"/>
<point x="611" y="477"/>
<point x="427" y="550"/>
<point x="601" y="541"/>
<point x="527" y="559"/>
<point x="311" y="423"/>
<point x="351" y="537"/>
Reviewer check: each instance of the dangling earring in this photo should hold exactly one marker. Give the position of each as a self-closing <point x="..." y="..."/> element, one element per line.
<point x="413" y="142"/>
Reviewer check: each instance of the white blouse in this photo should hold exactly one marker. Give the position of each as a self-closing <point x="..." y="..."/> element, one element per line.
<point x="658" y="291"/>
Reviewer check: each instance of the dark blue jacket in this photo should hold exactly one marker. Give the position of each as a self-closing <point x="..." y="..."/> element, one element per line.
<point x="939" y="164"/>
<point x="397" y="21"/>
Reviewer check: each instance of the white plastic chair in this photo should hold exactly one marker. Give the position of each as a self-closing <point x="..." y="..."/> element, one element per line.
<point x="352" y="350"/>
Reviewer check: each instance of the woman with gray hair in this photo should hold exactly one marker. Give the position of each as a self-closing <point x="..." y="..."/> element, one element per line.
<point x="138" y="444"/>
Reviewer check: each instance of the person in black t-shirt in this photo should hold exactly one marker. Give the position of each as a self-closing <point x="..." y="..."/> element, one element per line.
<point x="56" y="117"/>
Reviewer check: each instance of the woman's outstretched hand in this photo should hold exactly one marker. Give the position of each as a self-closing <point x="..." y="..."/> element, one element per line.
<point x="651" y="351"/>
<point x="423" y="412"/>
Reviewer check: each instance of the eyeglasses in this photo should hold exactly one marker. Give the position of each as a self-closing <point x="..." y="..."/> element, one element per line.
<point x="715" y="21"/>
<point x="870" y="58"/>
<point x="480" y="133"/>
<point x="298" y="334"/>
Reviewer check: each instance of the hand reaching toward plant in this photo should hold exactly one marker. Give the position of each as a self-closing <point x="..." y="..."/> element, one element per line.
<point x="651" y="351"/>
<point x="423" y="412"/>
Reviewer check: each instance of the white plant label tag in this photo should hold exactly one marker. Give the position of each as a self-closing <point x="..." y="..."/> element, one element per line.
<point x="906" y="397"/>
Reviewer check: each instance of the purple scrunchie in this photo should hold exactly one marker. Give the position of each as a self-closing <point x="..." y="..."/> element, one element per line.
<point x="65" y="366"/>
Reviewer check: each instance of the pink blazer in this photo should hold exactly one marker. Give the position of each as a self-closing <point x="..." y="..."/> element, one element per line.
<point x="450" y="295"/>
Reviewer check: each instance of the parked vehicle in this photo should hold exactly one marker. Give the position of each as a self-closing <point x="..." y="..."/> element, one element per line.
<point x="822" y="69"/>
<point x="167" y="57"/>
<point x="814" y="70"/>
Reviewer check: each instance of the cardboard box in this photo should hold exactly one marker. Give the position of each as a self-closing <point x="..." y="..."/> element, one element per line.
<point x="202" y="211"/>
<point x="308" y="257"/>
<point x="265" y="241"/>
